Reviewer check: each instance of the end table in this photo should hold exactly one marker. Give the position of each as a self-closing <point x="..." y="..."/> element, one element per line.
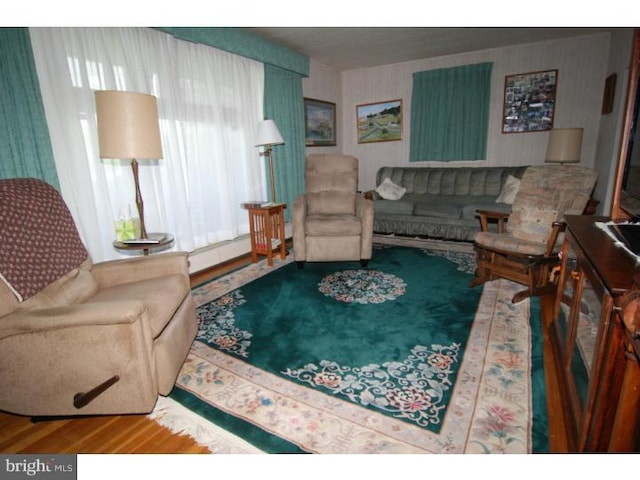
<point x="266" y="229"/>
<point x="155" y="241"/>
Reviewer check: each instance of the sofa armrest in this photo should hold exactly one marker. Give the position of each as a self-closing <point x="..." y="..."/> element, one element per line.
<point x="127" y="270"/>
<point x="486" y="215"/>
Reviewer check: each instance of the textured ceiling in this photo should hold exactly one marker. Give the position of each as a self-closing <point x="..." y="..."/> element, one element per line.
<point x="346" y="48"/>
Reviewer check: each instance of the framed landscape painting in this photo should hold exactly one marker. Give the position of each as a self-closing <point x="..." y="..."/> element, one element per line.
<point x="529" y="101"/>
<point x="319" y="123"/>
<point x="379" y="122"/>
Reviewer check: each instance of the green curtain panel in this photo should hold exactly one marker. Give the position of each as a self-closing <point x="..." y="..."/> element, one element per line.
<point x="283" y="103"/>
<point x="450" y="113"/>
<point x="242" y="42"/>
<point x="25" y="145"/>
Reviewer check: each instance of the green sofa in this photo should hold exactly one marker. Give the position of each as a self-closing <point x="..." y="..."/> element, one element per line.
<point x="440" y="202"/>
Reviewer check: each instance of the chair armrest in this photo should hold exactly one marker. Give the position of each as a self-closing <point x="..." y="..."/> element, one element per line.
<point x="365" y="211"/>
<point x="127" y="270"/>
<point x="486" y="215"/>
<point x="364" y="207"/>
<point x="556" y="228"/>
<point x="298" y="215"/>
<point x="71" y="316"/>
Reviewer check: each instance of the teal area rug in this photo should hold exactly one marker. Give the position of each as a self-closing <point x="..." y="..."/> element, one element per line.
<point x="399" y="357"/>
<point x="381" y="337"/>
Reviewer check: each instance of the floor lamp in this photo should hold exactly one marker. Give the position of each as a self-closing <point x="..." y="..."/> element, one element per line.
<point x="268" y="135"/>
<point x="128" y="128"/>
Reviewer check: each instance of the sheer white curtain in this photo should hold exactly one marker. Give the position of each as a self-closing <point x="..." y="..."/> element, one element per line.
<point x="209" y="103"/>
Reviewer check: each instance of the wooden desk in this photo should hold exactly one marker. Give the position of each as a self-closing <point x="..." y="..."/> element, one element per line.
<point x="266" y="229"/>
<point x="598" y="376"/>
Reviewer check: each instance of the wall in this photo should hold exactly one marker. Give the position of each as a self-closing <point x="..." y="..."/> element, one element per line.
<point x="583" y="63"/>
<point x="323" y="83"/>
<point x="582" y="67"/>
<point x="610" y="133"/>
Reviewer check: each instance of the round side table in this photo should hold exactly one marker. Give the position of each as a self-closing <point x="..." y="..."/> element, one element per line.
<point x="155" y="241"/>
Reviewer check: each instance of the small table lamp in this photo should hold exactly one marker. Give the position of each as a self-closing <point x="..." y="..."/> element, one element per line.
<point x="268" y="135"/>
<point x="565" y="145"/>
<point x="128" y="128"/>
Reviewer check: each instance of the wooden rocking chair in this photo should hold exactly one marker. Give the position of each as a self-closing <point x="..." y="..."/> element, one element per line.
<point x="525" y="247"/>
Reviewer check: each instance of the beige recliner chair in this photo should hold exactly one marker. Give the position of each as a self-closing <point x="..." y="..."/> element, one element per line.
<point x="331" y="221"/>
<point x="79" y="338"/>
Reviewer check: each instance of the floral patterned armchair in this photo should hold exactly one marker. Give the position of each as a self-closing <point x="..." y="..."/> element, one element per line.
<point x="525" y="247"/>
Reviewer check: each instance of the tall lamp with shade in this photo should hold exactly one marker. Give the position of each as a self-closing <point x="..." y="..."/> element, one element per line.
<point x="565" y="145"/>
<point x="128" y="128"/>
<point x="267" y="136"/>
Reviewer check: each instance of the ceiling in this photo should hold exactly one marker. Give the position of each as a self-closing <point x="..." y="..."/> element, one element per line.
<point x="346" y="48"/>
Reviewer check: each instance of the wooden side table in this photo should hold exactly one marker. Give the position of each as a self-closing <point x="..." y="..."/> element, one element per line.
<point x="266" y="228"/>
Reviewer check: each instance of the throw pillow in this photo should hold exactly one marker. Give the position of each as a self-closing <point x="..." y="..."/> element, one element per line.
<point x="389" y="190"/>
<point x="509" y="190"/>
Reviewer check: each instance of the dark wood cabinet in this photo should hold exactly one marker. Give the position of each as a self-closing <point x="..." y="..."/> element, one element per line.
<point x="591" y="352"/>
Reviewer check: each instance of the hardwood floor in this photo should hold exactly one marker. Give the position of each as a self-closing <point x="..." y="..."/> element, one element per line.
<point x="138" y="434"/>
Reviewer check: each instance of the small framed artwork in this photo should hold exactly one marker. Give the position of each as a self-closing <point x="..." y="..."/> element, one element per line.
<point x="380" y="121"/>
<point x="319" y="123"/>
<point x="529" y="101"/>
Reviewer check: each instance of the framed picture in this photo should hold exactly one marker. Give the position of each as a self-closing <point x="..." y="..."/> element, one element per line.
<point x="529" y="101"/>
<point x="319" y="123"/>
<point x="379" y="122"/>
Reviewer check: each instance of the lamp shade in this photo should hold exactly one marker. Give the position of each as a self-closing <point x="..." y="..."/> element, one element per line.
<point x="268" y="134"/>
<point x="565" y="145"/>
<point x="128" y="125"/>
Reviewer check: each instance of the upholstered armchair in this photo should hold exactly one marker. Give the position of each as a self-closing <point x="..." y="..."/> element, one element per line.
<point x="331" y="221"/>
<point x="525" y="247"/>
<point x="79" y="338"/>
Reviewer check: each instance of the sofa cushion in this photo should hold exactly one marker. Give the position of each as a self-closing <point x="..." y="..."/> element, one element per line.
<point x="332" y="225"/>
<point x="437" y="209"/>
<point x="393" y="207"/>
<point x="331" y="202"/>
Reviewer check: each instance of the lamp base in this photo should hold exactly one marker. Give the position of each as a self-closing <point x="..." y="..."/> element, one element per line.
<point x="139" y="202"/>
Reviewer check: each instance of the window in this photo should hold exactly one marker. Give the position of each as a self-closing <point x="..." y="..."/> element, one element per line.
<point x="209" y="103"/>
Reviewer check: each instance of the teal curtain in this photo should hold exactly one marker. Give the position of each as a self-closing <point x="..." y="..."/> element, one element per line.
<point x="242" y="42"/>
<point x="283" y="103"/>
<point x="450" y="113"/>
<point x="25" y="146"/>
